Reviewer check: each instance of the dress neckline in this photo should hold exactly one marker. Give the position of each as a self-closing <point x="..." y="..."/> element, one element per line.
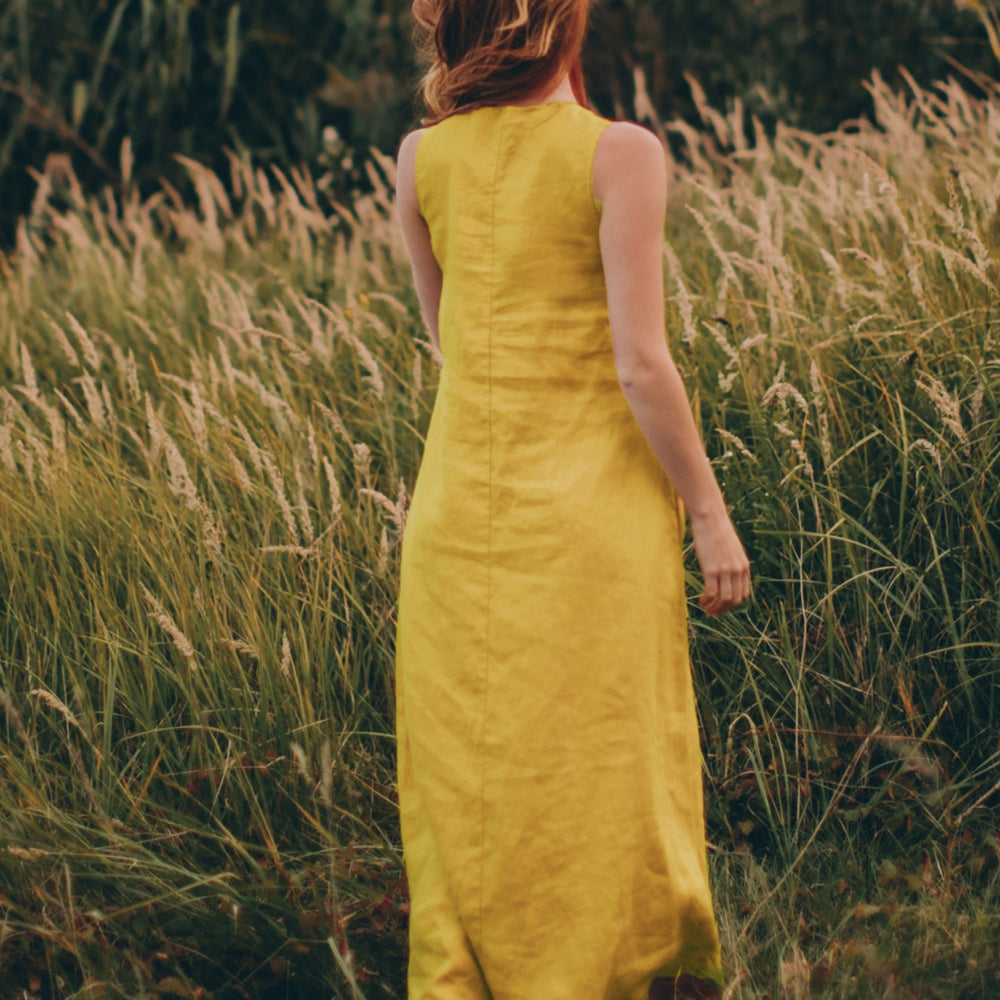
<point x="539" y="104"/>
<point x="520" y="107"/>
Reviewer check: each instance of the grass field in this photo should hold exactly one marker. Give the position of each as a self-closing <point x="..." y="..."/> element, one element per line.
<point x="210" y="423"/>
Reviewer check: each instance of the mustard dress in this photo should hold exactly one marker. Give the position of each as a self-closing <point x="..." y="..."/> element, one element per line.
<point x="549" y="769"/>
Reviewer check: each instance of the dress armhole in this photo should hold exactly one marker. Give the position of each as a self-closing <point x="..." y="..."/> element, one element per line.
<point x="597" y="203"/>
<point x="418" y="170"/>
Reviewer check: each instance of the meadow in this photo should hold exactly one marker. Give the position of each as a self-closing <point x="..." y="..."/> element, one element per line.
<point x="211" y="418"/>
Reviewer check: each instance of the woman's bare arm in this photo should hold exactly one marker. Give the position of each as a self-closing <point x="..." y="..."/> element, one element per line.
<point x="630" y="179"/>
<point x="426" y="272"/>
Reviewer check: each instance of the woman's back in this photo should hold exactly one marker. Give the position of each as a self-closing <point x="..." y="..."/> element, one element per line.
<point x="506" y="192"/>
<point x="528" y="379"/>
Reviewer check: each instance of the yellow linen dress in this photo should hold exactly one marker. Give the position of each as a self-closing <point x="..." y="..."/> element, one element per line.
<point x="549" y="769"/>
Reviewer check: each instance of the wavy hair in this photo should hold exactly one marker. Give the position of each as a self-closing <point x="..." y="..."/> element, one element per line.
<point x="483" y="52"/>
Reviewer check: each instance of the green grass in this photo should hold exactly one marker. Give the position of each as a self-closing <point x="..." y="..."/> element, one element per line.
<point x="211" y="418"/>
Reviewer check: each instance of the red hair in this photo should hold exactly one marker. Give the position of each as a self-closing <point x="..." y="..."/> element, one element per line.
<point x="484" y="52"/>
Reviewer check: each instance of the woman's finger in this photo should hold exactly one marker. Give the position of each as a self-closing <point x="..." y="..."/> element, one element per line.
<point x="711" y="592"/>
<point x="726" y="591"/>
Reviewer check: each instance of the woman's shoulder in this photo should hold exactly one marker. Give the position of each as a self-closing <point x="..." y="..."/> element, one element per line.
<point x="627" y="154"/>
<point x="630" y="137"/>
<point x="408" y="144"/>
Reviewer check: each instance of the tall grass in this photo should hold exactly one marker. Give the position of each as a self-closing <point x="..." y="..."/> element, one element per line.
<point x="848" y="373"/>
<point x="210" y="423"/>
<point x="203" y="474"/>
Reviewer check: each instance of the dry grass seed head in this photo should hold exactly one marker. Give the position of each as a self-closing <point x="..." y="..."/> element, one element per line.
<point x="167" y="623"/>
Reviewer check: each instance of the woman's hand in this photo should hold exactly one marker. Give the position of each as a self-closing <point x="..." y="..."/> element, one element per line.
<point x="723" y="561"/>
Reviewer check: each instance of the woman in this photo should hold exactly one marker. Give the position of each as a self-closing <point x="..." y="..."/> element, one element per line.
<point x="549" y="766"/>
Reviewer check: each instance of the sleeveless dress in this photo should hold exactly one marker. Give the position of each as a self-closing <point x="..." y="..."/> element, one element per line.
<point x="549" y="768"/>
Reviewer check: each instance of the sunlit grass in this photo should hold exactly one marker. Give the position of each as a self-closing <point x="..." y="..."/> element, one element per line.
<point x="210" y="425"/>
